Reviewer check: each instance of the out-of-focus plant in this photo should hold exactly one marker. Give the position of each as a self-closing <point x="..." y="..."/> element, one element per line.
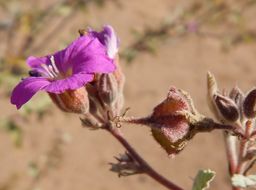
<point x="12" y="127"/>
<point x="14" y="123"/>
<point x="220" y="20"/>
<point x="86" y="78"/>
<point x="52" y="159"/>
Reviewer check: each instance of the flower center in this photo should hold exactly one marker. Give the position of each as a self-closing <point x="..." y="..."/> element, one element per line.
<point x="50" y="71"/>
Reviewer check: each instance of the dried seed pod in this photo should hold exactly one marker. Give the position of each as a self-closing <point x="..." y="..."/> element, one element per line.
<point x="249" y="104"/>
<point x="74" y="101"/>
<point x="169" y="128"/>
<point x="172" y="134"/>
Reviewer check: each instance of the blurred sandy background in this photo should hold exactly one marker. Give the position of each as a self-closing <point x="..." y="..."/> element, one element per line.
<point x="55" y="152"/>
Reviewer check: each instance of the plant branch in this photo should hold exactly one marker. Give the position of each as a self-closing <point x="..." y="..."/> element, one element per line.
<point x="230" y="142"/>
<point x="146" y="167"/>
<point x="244" y="147"/>
<point x="232" y="156"/>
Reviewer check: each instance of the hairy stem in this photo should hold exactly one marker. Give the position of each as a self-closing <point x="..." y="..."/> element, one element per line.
<point x="244" y="148"/>
<point x="146" y="167"/>
<point x="231" y="151"/>
<point x="230" y="142"/>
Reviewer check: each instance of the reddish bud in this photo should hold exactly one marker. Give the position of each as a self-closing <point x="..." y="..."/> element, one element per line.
<point x="74" y="101"/>
<point x="227" y="109"/>
<point x="249" y="104"/>
<point x="224" y="107"/>
<point x="237" y="96"/>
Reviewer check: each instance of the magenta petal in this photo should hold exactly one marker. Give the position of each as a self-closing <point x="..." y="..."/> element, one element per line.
<point x="108" y="38"/>
<point x="93" y="59"/>
<point x="35" y="62"/>
<point x="71" y="83"/>
<point x="24" y="91"/>
<point x="76" y="48"/>
<point x="59" y="59"/>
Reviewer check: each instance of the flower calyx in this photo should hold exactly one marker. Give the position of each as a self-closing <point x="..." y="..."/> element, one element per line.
<point x="172" y="121"/>
<point x="226" y="108"/>
<point x="73" y="101"/>
<point x="126" y="165"/>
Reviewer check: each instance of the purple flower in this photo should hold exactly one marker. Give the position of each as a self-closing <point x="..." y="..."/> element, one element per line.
<point x="70" y="68"/>
<point x="108" y="38"/>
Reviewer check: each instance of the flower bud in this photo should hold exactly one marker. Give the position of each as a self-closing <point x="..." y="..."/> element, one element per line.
<point x="88" y="120"/>
<point x="251" y="153"/>
<point x="74" y="101"/>
<point x="120" y="79"/>
<point x="107" y="88"/>
<point x="237" y="96"/>
<point x="226" y="108"/>
<point x="249" y="104"/>
<point x="119" y="75"/>
<point x="211" y="90"/>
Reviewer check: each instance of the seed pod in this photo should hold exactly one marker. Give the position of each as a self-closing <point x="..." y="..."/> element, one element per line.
<point x="226" y="108"/>
<point x="172" y="134"/>
<point x="73" y="101"/>
<point x="249" y="104"/>
<point x="170" y="129"/>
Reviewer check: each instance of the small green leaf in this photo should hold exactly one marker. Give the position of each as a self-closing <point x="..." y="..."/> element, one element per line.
<point x="14" y="130"/>
<point x="40" y="106"/>
<point x="64" y="10"/>
<point x="203" y="179"/>
<point x="33" y="169"/>
<point x="239" y="180"/>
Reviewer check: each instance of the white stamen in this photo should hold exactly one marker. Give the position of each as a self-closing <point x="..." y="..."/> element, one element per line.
<point x="52" y="71"/>
<point x="54" y="65"/>
<point x="47" y="70"/>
